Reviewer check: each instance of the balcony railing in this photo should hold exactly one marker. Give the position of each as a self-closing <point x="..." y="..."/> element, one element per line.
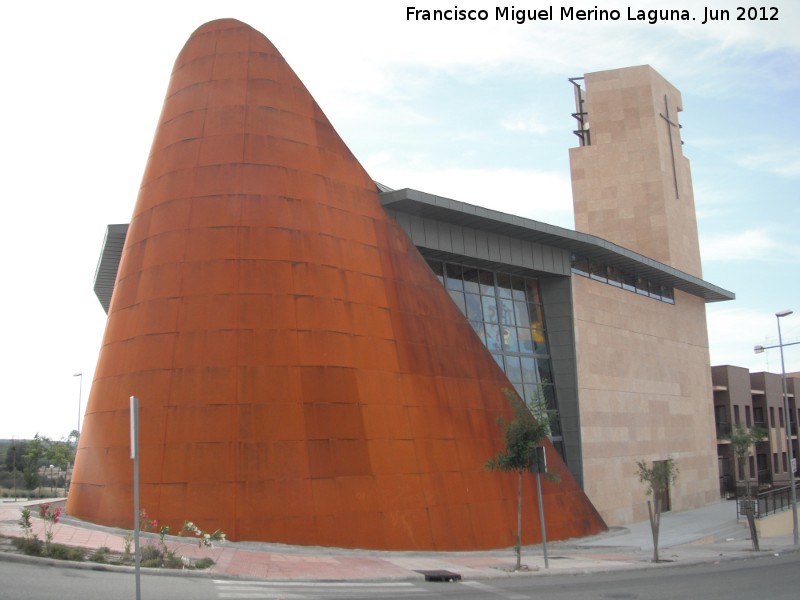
<point x="767" y="503"/>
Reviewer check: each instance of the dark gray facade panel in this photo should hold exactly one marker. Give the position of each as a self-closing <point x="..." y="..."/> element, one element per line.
<point x="444" y="237"/>
<point x="470" y="242"/>
<point x="517" y="254"/>
<point x="482" y="241"/>
<point x="457" y="239"/>
<point x="557" y="300"/>
<point x="494" y="248"/>
<point x="416" y="229"/>
<point x="431" y="234"/>
<point x="553" y="237"/>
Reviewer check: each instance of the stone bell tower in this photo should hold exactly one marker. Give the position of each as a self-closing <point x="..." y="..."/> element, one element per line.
<point x="631" y="183"/>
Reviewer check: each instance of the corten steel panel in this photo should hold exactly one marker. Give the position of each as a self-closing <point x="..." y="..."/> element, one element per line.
<point x="302" y="375"/>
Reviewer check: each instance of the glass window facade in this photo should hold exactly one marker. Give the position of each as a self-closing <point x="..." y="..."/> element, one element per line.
<point x="505" y="312"/>
<point x="627" y="281"/>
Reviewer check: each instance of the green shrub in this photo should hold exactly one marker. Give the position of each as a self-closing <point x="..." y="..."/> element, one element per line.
<point x="204" y="563"/>
<point x="62" y="552"/>
<point x="152" y="563"/>
<point x="100" y="555"/>
<point x="171" y="561"/>
<point x="150" y="553"/>
<point x="30" y="546"/>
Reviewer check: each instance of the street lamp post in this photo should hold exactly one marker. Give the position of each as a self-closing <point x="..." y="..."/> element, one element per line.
<point x="778" y="316"/>
<point x="80" y="389"/>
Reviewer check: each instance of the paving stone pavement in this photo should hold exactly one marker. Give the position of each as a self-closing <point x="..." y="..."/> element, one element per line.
<point x="707" y="534"/>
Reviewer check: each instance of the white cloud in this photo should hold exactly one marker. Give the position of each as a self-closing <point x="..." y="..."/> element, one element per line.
<point x="525" y="124"/>
<point x="782" y="162"/>
<point x="752" y="244"/>
<point x="734" y="332"/>
<point x="542" y="196"/>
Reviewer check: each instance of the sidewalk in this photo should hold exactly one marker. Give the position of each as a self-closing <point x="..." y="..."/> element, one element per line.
<point x="703" y="535"/>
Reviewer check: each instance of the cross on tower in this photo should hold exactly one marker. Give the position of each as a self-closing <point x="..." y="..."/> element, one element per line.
<point x="670" y="124"/>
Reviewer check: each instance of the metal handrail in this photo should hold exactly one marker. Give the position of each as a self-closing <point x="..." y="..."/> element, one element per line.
<point x="766" y="503"/>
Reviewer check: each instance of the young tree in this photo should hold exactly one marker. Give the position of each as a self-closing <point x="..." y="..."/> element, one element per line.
<point x="61" y="454"/>
<point x="742" y="439"/>
<point x="523" y="436"/>
<point x="658" y="479"/>
<point x="34" y="453"/>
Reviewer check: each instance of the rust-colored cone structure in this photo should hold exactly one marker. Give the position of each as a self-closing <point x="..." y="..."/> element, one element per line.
<point x="302" y="375"/>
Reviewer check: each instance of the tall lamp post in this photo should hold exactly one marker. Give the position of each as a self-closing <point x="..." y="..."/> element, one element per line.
<point x="80" y="389"/>
<point x="778" y="315"/>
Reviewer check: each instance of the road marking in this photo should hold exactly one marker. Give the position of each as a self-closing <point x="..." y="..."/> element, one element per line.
<point x="490" y="590"/>
<point x="308" y="590"/>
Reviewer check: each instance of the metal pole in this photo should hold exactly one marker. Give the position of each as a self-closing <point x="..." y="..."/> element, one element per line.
<point x="788" y="432"/>
<point x="80" y="389"/>
<point x="541" y="466"/>
<point x="137" y="557"/>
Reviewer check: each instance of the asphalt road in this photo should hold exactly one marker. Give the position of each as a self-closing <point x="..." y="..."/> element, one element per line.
<point x="766" y="576"/>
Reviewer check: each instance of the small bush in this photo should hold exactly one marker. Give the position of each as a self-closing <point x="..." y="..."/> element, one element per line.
<point x="62" y="552"/>
<point x="172" y="562"/>
<point x="151" y="563"/>
<point x="150" y="552"/>
<point x="29" y="546"/>
<point x="204" y="563"/>
<point x="100" y="555"/>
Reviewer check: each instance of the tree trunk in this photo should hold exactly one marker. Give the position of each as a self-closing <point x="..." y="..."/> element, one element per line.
<point x="519" y="520"/>
<point x="655" y="523"/>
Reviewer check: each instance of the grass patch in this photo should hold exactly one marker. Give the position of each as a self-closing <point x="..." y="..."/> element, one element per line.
<point x="100" y="555"/>
<point x="35" y="547"/>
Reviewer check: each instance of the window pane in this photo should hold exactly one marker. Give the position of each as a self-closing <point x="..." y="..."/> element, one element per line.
<point x="489" y="309"/>
<point x="667" y="294"/>
<point x="545" y="376"/>
<point x="510" y="343"/>
<point x="521" y="312"/>
<point x="535" y="312"/>
<point x="614" y="276"/>
<point x="498" y="358"/>
<point x="580" y="265"/>
<point x="629" y="282"/>
<point x="513" y="370"/>
<point x="453" y="277"/>
<point x="458" y="298"/>
<point x="532" y="286"/>
<point x="642" y="286"/>
<point x="438" y="269"/>
<point x="655" y="290"/>
<point x="528" y="370"/>
<point x="506" y="311"/>
<point x="525" y="340"/>
<point x="539" y="341"/>
<point x="486" y="280"/>
<point x="597" y="271"/>
<point x="474" y="310"/>
<point x="471" y="283"/>
<point x="493" y="338"/>
<point x="504" y="285"/>
<point x="518" y="288"/>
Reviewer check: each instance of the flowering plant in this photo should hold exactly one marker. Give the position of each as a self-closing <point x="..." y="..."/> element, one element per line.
<point x="50" y="518"/>
<point x="25" y="522"/>
<point x="146" y="523"/>
<point x="204" y="539"/>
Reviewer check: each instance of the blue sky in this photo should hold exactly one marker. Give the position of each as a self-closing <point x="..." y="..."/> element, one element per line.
<point x="476" y="111"/>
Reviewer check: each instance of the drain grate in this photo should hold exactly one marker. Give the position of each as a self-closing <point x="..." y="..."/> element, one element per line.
<point x="440" y="575"/>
